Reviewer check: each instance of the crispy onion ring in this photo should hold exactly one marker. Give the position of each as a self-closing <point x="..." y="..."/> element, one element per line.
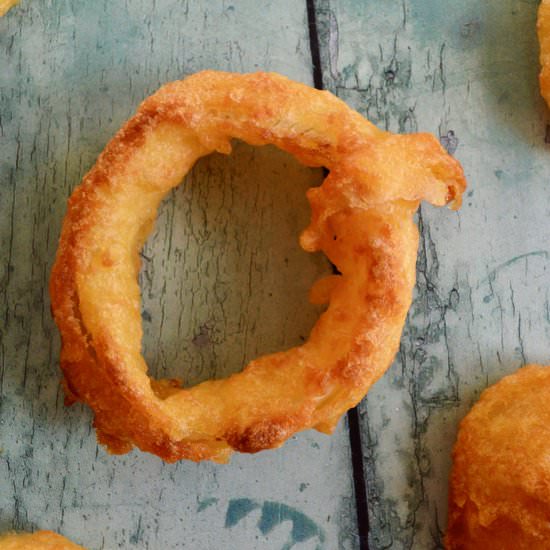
<point x="41" y="540"/>
<point x="543" y="30"/>
<point x="500" y="482"/>
<point x="6" y="5"/>
<point x="362" y="218"/>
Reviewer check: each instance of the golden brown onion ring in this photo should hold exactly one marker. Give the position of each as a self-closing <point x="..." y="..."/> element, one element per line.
<point x="41" y="540"/>
<point x="362" y="218"/>
<point x="6" y="5"/>
<point x="543" y="29"/>
<point x="500" y="481"/>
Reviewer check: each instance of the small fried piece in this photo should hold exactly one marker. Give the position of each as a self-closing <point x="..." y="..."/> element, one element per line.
<point x="41" y="540"/>
<point x="500" y="481"/>
<point x="362" y="219"/>
<point x="543" y="30"/>
<point x="6" y="5"/>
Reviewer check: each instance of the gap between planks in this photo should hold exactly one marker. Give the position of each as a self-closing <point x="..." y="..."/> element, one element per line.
<point x="354" y="430"/>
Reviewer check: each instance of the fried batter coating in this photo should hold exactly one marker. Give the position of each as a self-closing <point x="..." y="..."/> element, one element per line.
<point x="500" y="481"/>
<point x="41" y="540"/>
<point x="543" y="30"/>
<point x="362" y="219"/>
<point x="6" y="5"/>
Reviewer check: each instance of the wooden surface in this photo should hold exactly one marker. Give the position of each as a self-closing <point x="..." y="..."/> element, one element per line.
<point x="224" y="280"/>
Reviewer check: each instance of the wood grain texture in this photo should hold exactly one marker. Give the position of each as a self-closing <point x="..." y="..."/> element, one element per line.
<point x="223" y="280"/>
<point x="466" y="71"/>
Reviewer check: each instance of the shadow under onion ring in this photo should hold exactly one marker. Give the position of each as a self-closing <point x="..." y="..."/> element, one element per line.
<point x="362" y="219"/>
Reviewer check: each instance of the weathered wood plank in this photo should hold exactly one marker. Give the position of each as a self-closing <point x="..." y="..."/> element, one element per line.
<point x="223" y="280"/>
<point x="466" y="71"/>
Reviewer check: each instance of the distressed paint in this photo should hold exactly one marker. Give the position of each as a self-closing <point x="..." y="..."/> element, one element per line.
<point x="274" y="514"/>
<point x="466" y="71"/>
<point x="223" y="278"/>
<point x="204" y="504"/>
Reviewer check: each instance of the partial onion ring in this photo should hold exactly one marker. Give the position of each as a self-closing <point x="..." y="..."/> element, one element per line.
<point x="362" y="218"/>
<point x="41" y="540"/>
<point x="543" y="30"/>
<point x="500" y="482"/>
<point x="6" y="5"/>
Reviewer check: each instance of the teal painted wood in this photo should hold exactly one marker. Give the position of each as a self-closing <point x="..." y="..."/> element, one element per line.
<point x="223" y="280"/>
<point x="466" y="71"/>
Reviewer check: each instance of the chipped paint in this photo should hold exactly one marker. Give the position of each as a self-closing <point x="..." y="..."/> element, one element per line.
<point x="206" y="503"/>
<point x="272" y="515"/>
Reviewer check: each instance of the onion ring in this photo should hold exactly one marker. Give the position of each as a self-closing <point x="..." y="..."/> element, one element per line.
<point x="500" y="482"/>
<point x="543" y="31"/>
<point x="41" y="540"/>
<point x="362" y="218"/>
<point x="6" y="5"/>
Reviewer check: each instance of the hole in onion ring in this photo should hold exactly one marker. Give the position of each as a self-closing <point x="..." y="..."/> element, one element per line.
<point x="223" y="278"/>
